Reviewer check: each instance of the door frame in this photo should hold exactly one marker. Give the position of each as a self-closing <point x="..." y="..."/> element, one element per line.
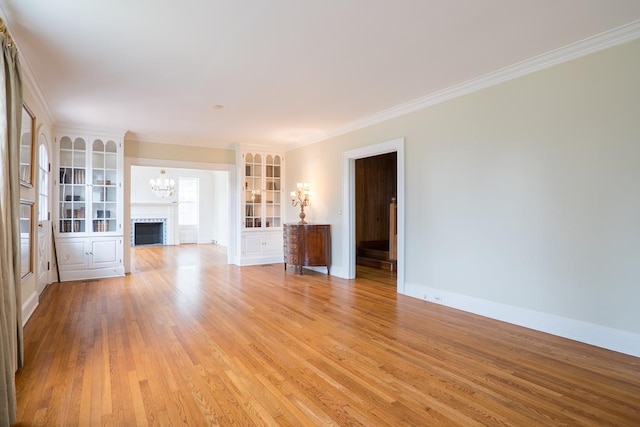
<point x="230" y="169"/>
<point x="44" y="227"/>
<point x="349" y="203"/>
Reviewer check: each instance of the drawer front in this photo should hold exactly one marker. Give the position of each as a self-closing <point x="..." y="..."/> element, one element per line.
<point x="293" y="259"/>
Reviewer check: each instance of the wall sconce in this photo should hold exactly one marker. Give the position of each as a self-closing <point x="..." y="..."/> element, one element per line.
<point x="301" y="197"/>
<point x="162" y="187"/>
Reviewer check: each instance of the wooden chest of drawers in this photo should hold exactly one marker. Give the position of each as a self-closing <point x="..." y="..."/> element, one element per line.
<point x="307" y="245"/>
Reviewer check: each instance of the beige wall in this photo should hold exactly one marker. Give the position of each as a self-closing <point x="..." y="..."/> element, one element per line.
<point x="523" y="194"/>
<point x="150" y="150"/>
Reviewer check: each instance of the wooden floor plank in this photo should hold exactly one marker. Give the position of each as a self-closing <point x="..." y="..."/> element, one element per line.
<point x="187" y="339"/>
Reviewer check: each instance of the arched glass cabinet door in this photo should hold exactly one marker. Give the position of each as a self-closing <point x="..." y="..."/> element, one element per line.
<point x="273" y="191"/>
<point x="104" y="193"/>
<point x="72" y="185"/>
<point x="253" y="191"/>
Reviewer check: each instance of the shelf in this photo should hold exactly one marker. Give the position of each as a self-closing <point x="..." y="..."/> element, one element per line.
<point x="262" y="189"/>
<point x="88" y="188"/>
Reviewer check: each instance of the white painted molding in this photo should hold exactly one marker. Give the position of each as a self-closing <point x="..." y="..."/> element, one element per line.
<point x="27" y="76"/>
<point x="234" y="226"/>
<point x="585" y="332"/>
<point x="33" y="87"/>
<point x="260" y="260"/>
<point x="339" y="271"/>
<point x="617" y="36"/>
<point x="181" y="164"/>
<point x="28" y="307"/>
<point x="85" y="130"/>
<point x="348" y="204"/>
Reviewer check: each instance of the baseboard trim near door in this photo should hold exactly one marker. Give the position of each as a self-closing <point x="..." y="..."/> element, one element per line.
<point x="29" y="306"/>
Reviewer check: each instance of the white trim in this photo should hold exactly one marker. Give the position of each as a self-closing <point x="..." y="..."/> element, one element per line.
<point x="260" y="260"/>
<point x="28" y="77"/>
<point x="81" y="130"/>
<point x="93" y="273"/>
<point x="589" y="333"/>
<point x="348" y="269"/>
<point x="33" y="87"/>
<point x="28" y="307"/>
<point x="575" y="50"/>
<point x="180" y="164"/>
<point x="47" y="223"/>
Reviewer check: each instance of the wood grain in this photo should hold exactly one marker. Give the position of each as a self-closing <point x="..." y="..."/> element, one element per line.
<point x="188" y="340"/>
<point x="376" y="183"/>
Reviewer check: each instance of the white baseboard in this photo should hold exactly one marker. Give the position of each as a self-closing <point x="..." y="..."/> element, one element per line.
<point x="28" y="307"/>
<point x="589" y="333"/>
<point x="259" y="260"/>
<point x="339" y="271"/>
<point x="89" y="274"/>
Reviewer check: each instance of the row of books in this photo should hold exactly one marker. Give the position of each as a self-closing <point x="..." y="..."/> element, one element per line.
<point x="75" y="226"/>
<point x="72" y="176"/>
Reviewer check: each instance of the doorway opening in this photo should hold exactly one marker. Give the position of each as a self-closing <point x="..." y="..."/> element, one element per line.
<point x="350" y="192"/>
<point x="376" y="219"/>
<point x="216" y="208"/>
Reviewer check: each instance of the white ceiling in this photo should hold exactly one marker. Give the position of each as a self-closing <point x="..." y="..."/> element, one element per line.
<point x="285" y="71"/>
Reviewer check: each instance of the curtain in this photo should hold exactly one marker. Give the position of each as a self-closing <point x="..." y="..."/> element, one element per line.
<point x="11" y="351"/>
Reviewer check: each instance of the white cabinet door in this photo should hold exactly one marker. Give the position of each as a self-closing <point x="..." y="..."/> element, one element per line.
<point x="272" y="242"/>
<point x="104" y="253"/>
<point x="261" y="247"/>
<point x="261" y="179"/>
<point x="252" y="244"/>
<point x="81" y="258"/>
<point x="72" y="254"/>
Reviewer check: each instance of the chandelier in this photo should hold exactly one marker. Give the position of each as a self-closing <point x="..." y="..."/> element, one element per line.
<point x="163" y="187"/>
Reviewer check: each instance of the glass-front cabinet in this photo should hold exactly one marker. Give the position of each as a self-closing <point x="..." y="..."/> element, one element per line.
<point x="72" y="185"/>
<point x="104" y="187"/>
<point x="261" y="177"/>
<point x="89" y="198"/>
<point x="252" y="191"/>
<point x="263" y="191"/>
<point x="273" y="191"/>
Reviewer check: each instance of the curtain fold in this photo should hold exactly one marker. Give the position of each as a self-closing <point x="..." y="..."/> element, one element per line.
<point x="11" y="340"/>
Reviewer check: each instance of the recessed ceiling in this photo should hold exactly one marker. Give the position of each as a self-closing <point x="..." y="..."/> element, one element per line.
<point x="284" y="71"/>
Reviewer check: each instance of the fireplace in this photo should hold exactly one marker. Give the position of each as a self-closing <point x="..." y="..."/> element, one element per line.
<point x="148" y="231"/>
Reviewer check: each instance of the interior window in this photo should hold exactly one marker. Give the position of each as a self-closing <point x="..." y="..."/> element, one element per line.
<point x="188" y="201"/>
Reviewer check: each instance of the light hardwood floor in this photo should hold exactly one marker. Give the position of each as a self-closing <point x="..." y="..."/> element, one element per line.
<point x="189" y="340"/>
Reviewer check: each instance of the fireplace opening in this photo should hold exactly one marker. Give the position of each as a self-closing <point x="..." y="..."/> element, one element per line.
<point x="148" y="233"/>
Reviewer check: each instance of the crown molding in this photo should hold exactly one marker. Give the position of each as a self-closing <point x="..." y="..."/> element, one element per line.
<point x="32" y="85"/>
<point x="599" y="42"/>
<point x="28" y="78"/>
<point x="89" y="130"/>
